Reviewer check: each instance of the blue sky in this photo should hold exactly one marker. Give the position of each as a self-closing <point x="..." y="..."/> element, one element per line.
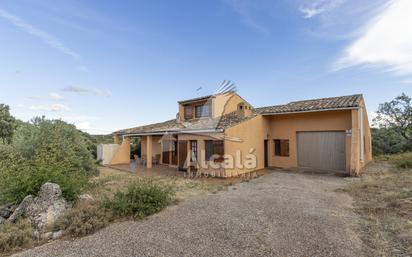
<point x="107" y="65"/>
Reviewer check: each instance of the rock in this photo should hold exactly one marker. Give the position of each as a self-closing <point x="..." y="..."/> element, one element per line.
<point x="58" y="234"/>
<point x="6" y="210"/>
<point x="21" y="209"/>
<point x="2" y="220"/>
<point x="45" y="209"/>
<point x="86" y="197"/>
<point x="46" y="236"/>
<point x="36" y="235"/>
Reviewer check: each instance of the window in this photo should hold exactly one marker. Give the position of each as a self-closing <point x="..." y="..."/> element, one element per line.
<point x="281" y="147"/>
<point x="214" y="147"/>
<point x="188" y="112"/>
<point x="202" y="111"/>
<point x="194" y="150"/>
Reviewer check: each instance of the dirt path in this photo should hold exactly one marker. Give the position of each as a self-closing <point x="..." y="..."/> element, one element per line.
<point x="281" y="214"/>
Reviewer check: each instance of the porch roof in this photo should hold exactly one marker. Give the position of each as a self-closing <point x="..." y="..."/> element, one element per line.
<point x="209" y="125"/>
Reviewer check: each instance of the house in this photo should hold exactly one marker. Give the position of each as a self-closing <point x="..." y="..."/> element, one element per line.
<point x="224" y="135"/>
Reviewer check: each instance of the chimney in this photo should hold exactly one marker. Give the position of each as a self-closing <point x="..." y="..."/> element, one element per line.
<point x="244" y="110"/>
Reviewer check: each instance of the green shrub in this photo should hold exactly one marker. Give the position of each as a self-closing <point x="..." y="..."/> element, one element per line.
<point x="45" y="151"/>
<point x="404" y="164"/>
<point x="387" y="141"/>
<point x="13" y="236"/>
<point x="84" y="219"/>
<point x="140" y="200"/>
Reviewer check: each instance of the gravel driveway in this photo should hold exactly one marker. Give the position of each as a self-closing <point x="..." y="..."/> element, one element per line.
<point x="280" y="214"/>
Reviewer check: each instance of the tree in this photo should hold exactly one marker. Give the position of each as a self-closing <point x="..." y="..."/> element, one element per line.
<point x="7" y="124"/>
<point x="397" y="115"/>
<point x="387" y="141"/>
<point x="44" y="151"/>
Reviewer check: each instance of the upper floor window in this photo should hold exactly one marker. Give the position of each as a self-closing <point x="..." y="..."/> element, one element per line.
<point x="202" y="111"/>
<point x="188" y="112"/>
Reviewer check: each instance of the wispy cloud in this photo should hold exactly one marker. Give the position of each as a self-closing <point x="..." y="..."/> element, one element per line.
<point x="319" y="7"/>
<point x="51" y="96"/>
<point x="309" y="12"/>
<point x="386" y="41"/>
<point x="243" y="9"/>
<point x="50" y="107"/>
<point x="87" y="90"/>
<point x="47" y="38"/>
<point x="55" y="96"/>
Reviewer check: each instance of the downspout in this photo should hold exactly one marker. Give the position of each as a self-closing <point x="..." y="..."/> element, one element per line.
<point x="362" y="146"/>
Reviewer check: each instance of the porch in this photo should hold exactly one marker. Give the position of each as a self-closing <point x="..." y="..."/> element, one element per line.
<point x="167" y="153"/>
<point x="139" y="169"/>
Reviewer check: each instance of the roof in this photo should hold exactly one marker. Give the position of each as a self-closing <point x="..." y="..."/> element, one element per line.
<point x="330" y="103"/>
<point x="175" y="126"/>
<point x="206" y="97"/>
<point x="196" y="99"/>
<point x="234" y="118"/>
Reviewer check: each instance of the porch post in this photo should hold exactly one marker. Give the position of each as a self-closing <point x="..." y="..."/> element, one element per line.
<point x="149" y="153"/>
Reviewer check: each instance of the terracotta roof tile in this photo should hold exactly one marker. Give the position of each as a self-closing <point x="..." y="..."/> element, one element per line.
<point x="333" y="103"/>
<point x="231" y="119"/>
<point x="174" y="125"/>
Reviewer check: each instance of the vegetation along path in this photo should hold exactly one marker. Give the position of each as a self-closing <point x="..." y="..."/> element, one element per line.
<point x="280" y="214"/>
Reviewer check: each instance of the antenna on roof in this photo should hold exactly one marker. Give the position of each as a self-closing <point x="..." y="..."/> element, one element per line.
<point x="226" y="86"/>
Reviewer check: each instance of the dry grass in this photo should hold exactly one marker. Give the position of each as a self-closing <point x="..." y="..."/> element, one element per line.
<point x="110" y="181"/>
<point x="383" y="197"/>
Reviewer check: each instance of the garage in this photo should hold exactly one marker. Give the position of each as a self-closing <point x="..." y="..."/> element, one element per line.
<point x="322" y="150"/>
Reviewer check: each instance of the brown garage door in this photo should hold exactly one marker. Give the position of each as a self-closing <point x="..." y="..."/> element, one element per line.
<point x="322" y="150"/>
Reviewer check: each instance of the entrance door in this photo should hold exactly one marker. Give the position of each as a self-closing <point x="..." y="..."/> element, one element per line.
<point x="322" y="150"/>
<point x="266" y="153"/>
<point x="182" y="155"/>
<point x="174" y="153"/>
<point x="193" y="155"/>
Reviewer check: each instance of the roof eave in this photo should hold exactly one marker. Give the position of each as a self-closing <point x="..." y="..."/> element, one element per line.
<point x="182" y="131"/>
<point x="319" y="110"/>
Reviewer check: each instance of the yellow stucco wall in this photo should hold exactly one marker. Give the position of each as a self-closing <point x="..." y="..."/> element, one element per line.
<point x="285" y="127"/>
<point x="156" y="145"/>
<point x="254" y="131"/>
<point x="252" y="134"/>
<point x="122" y="156"/>
<point x="221" y="104"/>
<point x="356" y="160"/>
<point x="226" y="103"/>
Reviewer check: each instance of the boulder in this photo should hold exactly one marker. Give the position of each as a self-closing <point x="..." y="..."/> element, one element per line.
<point x="21" y="209"/>
<point x="46" y="236"/>
<point x="6" y="210"/>
<point x="58" y="234"/>
<point x="45" y="209"/>
<point x="86" y="197"/>
<point x="2" y="220"/>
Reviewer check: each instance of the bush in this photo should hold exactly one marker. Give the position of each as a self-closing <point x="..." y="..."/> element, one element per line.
<point x="45" y="151"/>
<point x="16" y="235"/>
<point x="387" y="141"/>
<point x="140" y="200"/>
<point x="84" y="219"/>
<point x="404" y="164"/>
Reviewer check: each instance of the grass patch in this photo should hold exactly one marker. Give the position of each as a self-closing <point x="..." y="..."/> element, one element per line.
<point x="139" y="200"/>
<point x="15" y="236"/>
<point x="122" y="195"/>
<point x="84" y="219"/>
<point x="110" y="181"/>
<point x="383" y="198"/>
<point x="402" y="160"/>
